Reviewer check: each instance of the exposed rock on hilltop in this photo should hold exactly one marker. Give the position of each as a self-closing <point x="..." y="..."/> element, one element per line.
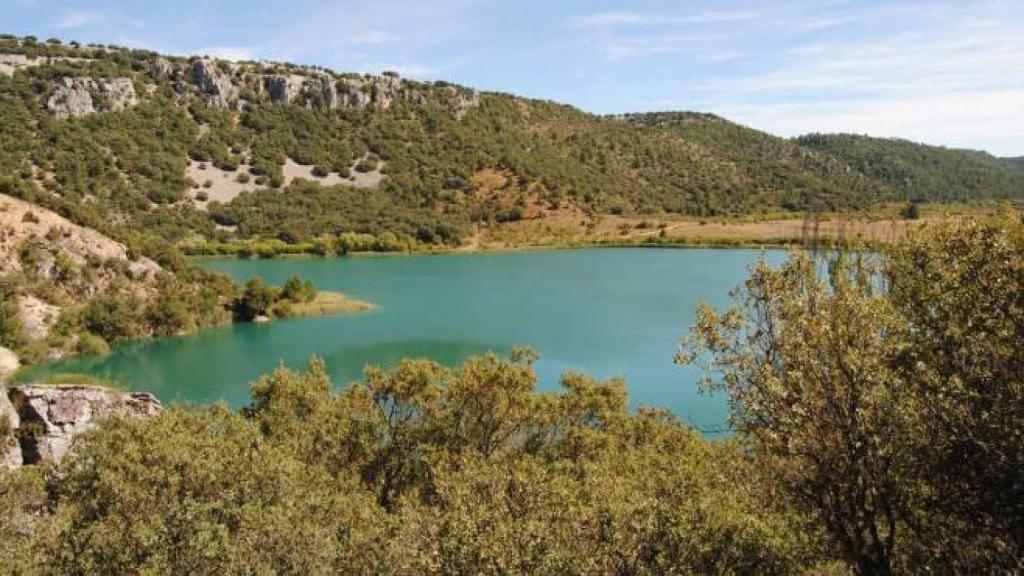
<point x="214" y="83"/>
<point x="73" y="97"/>
<point x="49" y="418"/>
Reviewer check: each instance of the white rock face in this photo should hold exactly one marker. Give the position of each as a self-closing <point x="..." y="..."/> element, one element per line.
<point x="284" y="89"/>
<point x="160" y="68"/>
<point x="10" y="450"/>
<point x="72" y="97"/>
<point x="53" y="416"/>
<point x="8" y="363"/>
<point x="214" y="82"/>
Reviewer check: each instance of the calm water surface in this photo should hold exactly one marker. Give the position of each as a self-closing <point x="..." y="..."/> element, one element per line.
<point x="607" y="312"/>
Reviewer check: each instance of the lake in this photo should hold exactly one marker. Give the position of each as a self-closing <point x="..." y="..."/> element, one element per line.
<point x="607" y="312"/>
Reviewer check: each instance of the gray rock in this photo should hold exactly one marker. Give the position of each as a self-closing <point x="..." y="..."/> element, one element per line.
<point x="51" y="417"/>
<point x="119" y="93"/>
<point x="8" y="363"/>
<point x="462" y="100"/>
<point x="71" y="98"/>
<point x="320" y="92"/>
<point x="353" y="93"/>
<point x="10" y="450"/>
<point x="160" y="68"/>
<point x="74" y="97"/>
<point x="213" y="82"/>
<point x="283" y="89"/>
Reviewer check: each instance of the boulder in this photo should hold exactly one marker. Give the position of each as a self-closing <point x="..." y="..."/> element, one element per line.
<point x="51" y="417"/>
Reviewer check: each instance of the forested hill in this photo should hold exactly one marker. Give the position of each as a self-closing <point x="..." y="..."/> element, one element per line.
<point x="146" y="148"/>
<point x="921" y="172"/>
<point x="829" y="166"/>
<point x="1016" y="163"/>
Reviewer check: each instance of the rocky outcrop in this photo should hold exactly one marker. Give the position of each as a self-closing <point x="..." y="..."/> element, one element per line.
<point x="353" y="93"/>
<point x="74" y="97"/>
<point x="23" y="224"/>
<point x="37" y="317"/>
<point x="462" y="99"/>
<point x="160" y="68"/>
<point x="283" y="89"/>
<point x="10" y="450"/>
<point x="8" y="363"/>
<point x="52" y="417"/>
<point x="214" y="83"/>
<point x="325" y="91"/>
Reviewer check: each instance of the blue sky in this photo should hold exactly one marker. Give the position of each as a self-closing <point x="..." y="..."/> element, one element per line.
<point x="942" y="72"/>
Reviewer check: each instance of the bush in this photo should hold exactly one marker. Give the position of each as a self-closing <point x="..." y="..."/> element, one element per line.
<point x="320" y="171"/>
<point x="366" y="165"/>
<point x="255" y="301"/>
<point x="92" y="345"/>
<point x="113" y="316"/>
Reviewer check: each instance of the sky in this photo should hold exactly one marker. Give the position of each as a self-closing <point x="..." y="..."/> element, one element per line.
<point x="942" y="72"/>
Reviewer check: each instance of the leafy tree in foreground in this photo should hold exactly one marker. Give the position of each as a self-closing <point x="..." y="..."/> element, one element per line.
<point x="888" y="401"/>
<point x="421" y="469"/>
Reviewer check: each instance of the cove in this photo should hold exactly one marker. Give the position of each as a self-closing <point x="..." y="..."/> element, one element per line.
<point x="604" y="311"/>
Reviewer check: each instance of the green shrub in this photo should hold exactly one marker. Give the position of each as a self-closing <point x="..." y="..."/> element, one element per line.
<point x="92" y="345"/>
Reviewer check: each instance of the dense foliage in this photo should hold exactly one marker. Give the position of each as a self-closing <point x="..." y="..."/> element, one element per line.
<point x="889" y="399"/>
<point x="421" y="469"/>
<point x="919" y="172"/>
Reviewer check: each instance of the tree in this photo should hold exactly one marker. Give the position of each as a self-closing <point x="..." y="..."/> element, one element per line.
<point x="960" y="286"/>
<point x="807" y="365"/>
<point x="296" y="290"/>
<point x="888" y="399"/>
<point x="256" y="300"/>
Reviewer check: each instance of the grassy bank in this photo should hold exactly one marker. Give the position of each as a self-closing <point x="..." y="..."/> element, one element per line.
<point x="325" y="303"/>
<point x="883" y="225"/>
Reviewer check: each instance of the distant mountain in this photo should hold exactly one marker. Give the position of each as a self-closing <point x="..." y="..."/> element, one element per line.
<point x="146" y="147"/>
<point x="922" y="172"/>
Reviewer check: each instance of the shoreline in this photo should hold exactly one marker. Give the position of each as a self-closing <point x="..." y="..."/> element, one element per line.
<point x="326" y="303"/>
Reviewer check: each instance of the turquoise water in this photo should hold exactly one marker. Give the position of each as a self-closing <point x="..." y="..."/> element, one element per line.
<point x="607" y="312"/>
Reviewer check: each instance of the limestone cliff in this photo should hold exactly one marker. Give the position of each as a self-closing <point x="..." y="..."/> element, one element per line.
<point x="73" y="97"/>
<point x="50" y="418"/>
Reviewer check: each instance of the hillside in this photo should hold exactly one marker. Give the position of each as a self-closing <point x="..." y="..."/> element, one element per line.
<point x="1016" y="163"/>
<point x="920" y="172"/>
<point x="790" y="176"/>
<point x="69" y="289"/>
<point x="151" y="149"/>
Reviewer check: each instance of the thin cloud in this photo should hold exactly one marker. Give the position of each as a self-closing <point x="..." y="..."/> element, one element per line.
<point x="72" y="19"/>
<point x="614" y="19"/>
